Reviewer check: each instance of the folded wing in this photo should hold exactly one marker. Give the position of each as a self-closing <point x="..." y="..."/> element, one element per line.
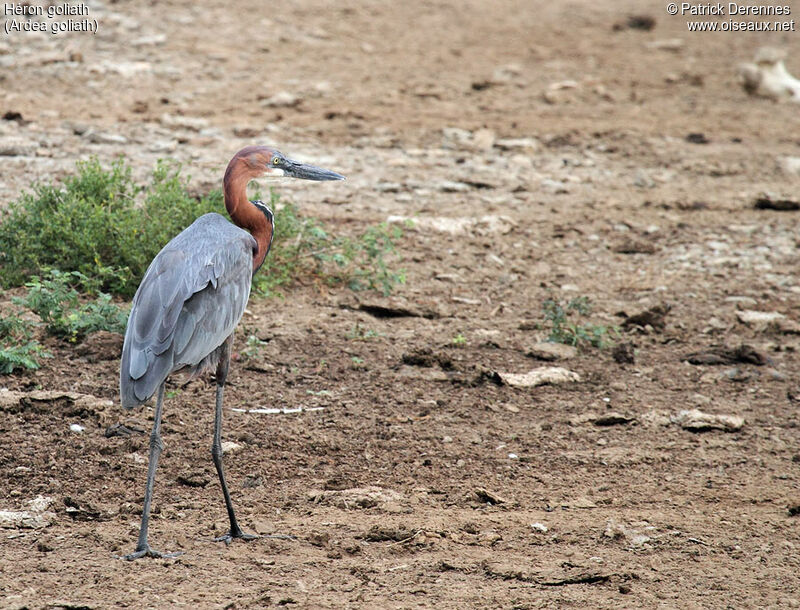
<point x="190" y="300"/>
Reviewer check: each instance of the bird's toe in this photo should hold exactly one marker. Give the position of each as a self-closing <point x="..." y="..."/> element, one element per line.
<point x="149" y="552"/>
<point x="228" y="537"/>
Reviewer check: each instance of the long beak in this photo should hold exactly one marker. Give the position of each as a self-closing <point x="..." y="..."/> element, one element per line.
<point x="308" y="172"/>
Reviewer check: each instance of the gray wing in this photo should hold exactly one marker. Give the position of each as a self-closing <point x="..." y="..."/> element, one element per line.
<point x="190" y="300"/>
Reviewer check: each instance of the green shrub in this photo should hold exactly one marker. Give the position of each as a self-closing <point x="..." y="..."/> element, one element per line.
<point x="108" y="229"/>
<point x="92" y="225"/>
<point x="59" y="306"/>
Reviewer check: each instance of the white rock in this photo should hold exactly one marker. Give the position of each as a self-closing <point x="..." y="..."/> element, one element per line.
<point x="504" y="74"/>
<point x="449" y="186"/>
<point x="768" y="77"/>
<point x="358" y="497"/>
<point x="551" y="351"/>
<point x="157" y="39"/>
<point x="162" y="146"/>
<point x="520" y="160"/>
<point x="588" y="416"/>
<point x="40" y="503"/>
<point x="480" y="139"/>
<point x="741" y="300"/>
<point x="564" y="84"/>
<point x="484" y="225"/>
<point x="483" y="139"/>
<point x="555" y="187"/>
<point x="666" y="44"/>
<point x="100" y="137"/>
<point x="655" y="418"/>
<point x="126" y="69"/>
<point x="539" y="527"/>
<point x="23" y="519"/>
<point x="35" y="518"/>
<point x="518" y="144"/>
<point x="540" y="376"/>
<point x="76" y="428"/>
<point x="456" y="135"/>
<point x="282" y="99"/>
<point x="230" y="446"/>
<point x="758" y="318"/>
<point x="620" y="531"/>
<point x="138" y="458"/>
<point x="790" y="165"/>
<point x="184" y="122"/>
<point x="14" y="146"/>
<point x="697" y="420"/>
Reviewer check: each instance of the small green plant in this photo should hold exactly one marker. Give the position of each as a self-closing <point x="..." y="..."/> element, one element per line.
<point x="564" y="329"/>
<point x="23" y="356"/>
<point x="59" y="306"/>
<point x="360" y="333"/>
<point x="18" y="348"/>
<point x="15" y="327"/>
<point x="302" y="247"/>
<point x="459" y="340"/>
<point x="253" y="347"/>
<point x="364" y="259"/>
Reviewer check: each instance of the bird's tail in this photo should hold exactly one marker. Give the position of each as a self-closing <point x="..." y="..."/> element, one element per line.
<point x="134" y="392"/>
<point x="127" y="390"/>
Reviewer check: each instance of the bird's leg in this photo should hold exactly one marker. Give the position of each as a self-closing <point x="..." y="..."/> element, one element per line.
<point x="142" y="547"/>
<point x="216" y="446"/>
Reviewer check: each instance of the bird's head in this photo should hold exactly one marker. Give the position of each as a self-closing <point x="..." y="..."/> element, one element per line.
<point x="260" y="160"/>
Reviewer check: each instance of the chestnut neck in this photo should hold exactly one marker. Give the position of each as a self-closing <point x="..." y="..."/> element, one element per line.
<point x="242" y="211"/>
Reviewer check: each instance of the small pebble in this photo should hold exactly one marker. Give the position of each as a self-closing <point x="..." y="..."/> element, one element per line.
<point x="230" y="446"/>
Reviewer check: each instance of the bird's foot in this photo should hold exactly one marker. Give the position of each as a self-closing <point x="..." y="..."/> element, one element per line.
<point x="148" y="552"/>
<point x="235" y="532"/>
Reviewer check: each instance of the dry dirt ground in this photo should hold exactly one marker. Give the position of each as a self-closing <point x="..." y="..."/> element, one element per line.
<point x="573" y="159"/>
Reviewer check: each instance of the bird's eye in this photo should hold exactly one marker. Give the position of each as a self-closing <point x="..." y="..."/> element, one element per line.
<point x="276" y="160"/>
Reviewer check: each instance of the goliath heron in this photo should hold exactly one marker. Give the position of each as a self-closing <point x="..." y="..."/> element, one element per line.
<point x="189" y="303"/>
